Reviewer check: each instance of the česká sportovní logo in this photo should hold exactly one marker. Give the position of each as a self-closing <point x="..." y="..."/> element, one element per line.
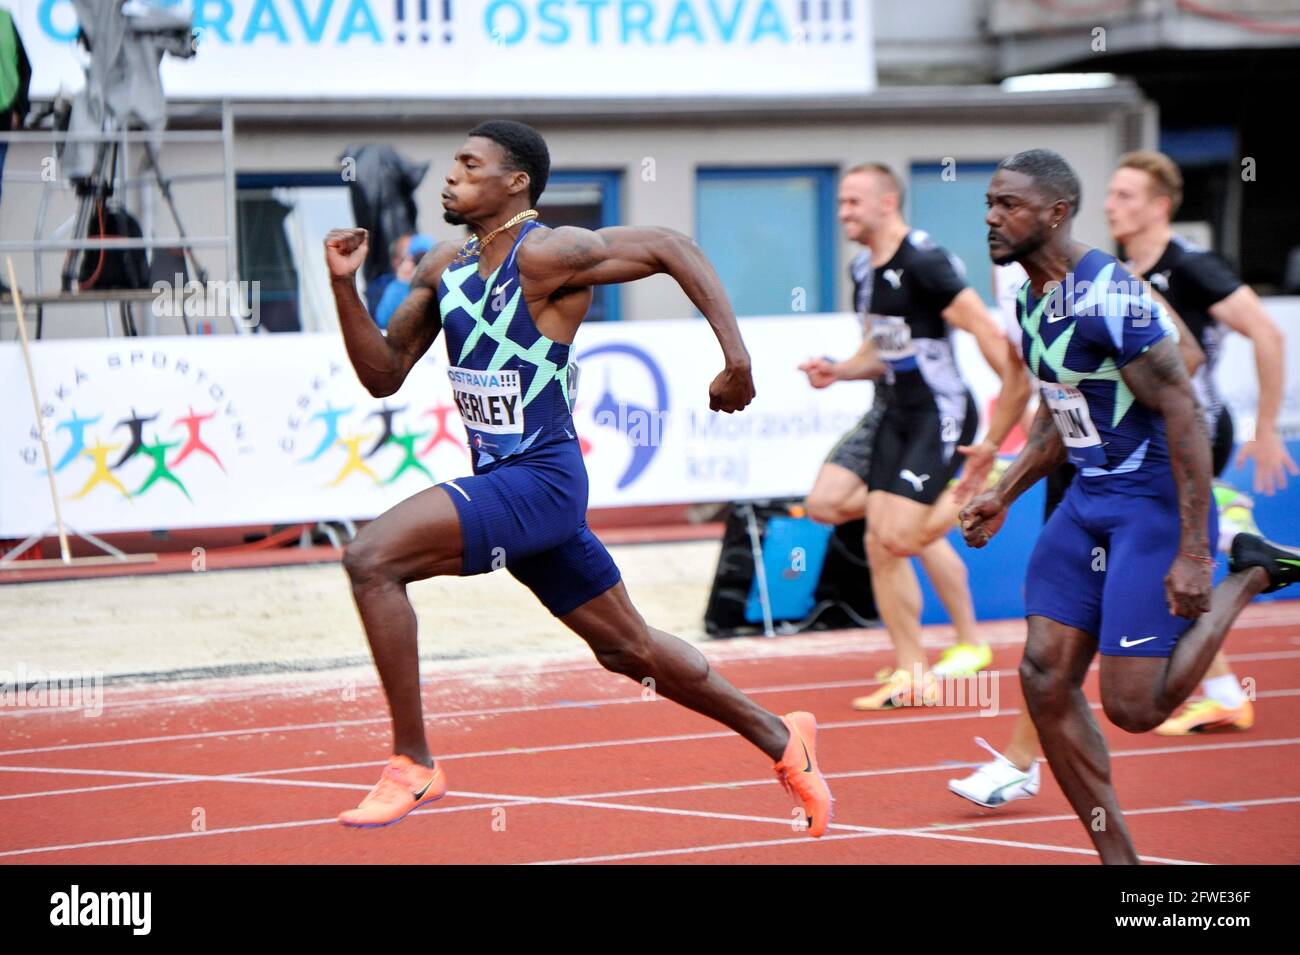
<point x="136" y="423"/>
<point x="344" y="439"/>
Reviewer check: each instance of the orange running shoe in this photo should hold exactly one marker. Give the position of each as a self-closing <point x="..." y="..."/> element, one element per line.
<point x="798" y="772"/>
<point x="1208" y="716"/>
<point x="403" y="787"/>
<point x="898" y="688"/>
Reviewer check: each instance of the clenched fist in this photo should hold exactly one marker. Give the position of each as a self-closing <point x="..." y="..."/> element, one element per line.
<point x="732" y="389"/>
<point x="982" y="518"/>
<point x="345" y="250"/>
<point x="1188" y="585"/>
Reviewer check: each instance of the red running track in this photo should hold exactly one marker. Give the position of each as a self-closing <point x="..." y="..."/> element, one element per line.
<point x="567" y="763"/>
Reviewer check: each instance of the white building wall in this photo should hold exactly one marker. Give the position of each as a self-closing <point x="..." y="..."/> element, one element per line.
<point x="1090" y="139"/>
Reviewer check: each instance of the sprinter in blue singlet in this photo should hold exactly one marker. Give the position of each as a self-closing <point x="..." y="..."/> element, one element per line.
<point x="1124" y="564"/>
<point x="510" y="299"/>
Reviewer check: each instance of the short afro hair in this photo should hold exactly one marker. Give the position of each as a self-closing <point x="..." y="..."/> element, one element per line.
<point x="525" y="151"/>
<point x="1052" y="175"/>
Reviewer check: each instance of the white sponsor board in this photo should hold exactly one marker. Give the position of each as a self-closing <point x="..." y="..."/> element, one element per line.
<point x="1235" y="375"/>
<point x="203" y="431"/>
<point x="1238" y="380"/>
<point x="429" y="49"/>
<point x="178" y="432"/>
<point x="200" y="431"/>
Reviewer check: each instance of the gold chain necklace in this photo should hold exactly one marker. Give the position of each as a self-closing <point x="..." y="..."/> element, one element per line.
<point x="469" y="248"/>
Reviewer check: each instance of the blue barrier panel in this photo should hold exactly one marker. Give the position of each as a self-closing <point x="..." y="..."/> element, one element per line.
<point x="1277" y="516"/>
<point x="997" y="572"/>
<point x="794" y="551"/>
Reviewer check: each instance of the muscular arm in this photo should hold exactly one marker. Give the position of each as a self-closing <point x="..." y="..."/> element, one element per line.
<point x="569" y="257"/>
<point x="1042" y="454"/>
<point x="383" y="362"/>
<point x="1188" y="346"/>
<point x="1012" y="400"/>
<point x="1159" y="381"/>
<point x="863" y="364"/>
<point x="1243" y="312"/>
<point x="968" y="312"/>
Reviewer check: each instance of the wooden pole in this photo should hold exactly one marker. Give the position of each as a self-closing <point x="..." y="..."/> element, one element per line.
<point x="36" y="406"/>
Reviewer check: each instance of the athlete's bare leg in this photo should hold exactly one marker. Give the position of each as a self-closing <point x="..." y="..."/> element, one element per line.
<point x="951" y="581"/>
<point x="898" y="601"/>
<point x="624" y="643"/>
<point x="1138" y="693"/>
<point x="893" y="533"/>
<point x="1022" y="749"/>
<point x="941" y="517"/>
<point x="417" y="539"/>
<point x="1056" y="661"/>
<point x="420" y="538"/>
<point x="837" y="496"/>
<point x="1218" y="667"/>
<point x="907" y="527"/>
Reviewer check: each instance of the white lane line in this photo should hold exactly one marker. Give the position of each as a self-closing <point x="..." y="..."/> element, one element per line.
<point x="934" y="833"/>
<point x="937" y="832"/>
<point x="161" y="779"/>
<point x="447" y="715"/>
<point x="934" y="768"/>
<point x="256" y="775"/>
<point x="691" y="850"/>
<point x="596" y="800"/>
<point x="717" y="734"/>
<point x="857" y="642"/>
<point x="1066" y="817"/>
<point x="522" y="708"/>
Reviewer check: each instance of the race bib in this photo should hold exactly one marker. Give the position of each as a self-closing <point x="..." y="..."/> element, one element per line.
<point x="1070" y="414"/>
<point x="573" y="372"/>
<point x="892" y="337"/>
<point x="492" y="407"/>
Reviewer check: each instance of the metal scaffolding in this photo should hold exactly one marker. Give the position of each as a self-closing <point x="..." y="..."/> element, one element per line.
<point x="69" y="239"/>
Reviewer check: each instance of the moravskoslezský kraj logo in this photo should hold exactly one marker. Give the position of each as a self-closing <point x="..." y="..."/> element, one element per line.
<point x="631" y="405"/>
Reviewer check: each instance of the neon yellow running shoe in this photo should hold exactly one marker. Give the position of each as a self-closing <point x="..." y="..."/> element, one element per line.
<point x="1236" y="514"/>
<point x="964" y="659"/>
<point x="1000" y="466"/>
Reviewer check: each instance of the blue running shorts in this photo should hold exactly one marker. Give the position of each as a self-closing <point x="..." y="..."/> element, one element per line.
<point x="529" y="515"/>
<point x="1100" y="566"/>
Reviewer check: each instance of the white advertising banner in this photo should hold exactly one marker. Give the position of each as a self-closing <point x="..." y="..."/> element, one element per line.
<point x="1238" y="379"/>
<point x="200" y="431"/>
<point x="152" y="433"/>
<point x="327" y="49"/>
<point x="1235" y="375"/>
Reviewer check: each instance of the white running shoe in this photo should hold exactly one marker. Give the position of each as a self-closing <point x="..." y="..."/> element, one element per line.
<point x="997" y="783"/>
